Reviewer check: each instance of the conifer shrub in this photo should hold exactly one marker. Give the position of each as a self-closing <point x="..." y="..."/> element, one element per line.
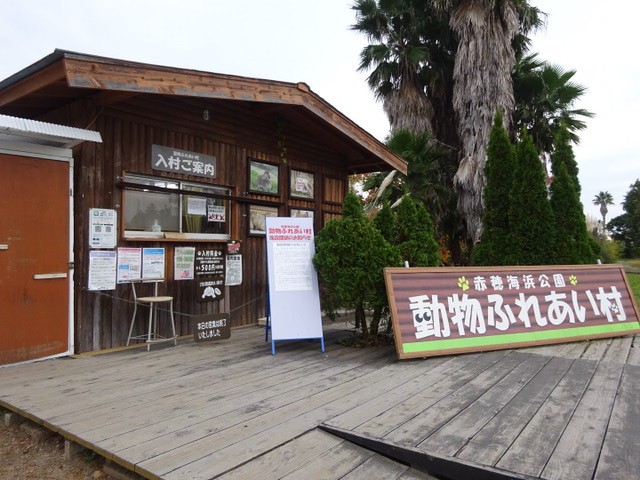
<point x="531" y="225"/>
<point x="351" y="254"/>
<point x="499" y="170"/>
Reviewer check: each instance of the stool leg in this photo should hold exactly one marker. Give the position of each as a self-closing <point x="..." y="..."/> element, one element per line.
<point x="133" y="319"/>
<point x="152" y="307"/>
<point x="173" y="323"/>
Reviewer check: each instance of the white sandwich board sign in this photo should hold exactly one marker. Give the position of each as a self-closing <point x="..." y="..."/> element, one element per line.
<point x="294" y="298"/>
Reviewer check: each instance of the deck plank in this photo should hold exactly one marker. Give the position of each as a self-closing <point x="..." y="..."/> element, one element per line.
<point x="530" y="451"/>
<point x="619" y="349"/>
<point x="231" y="409"/>
<point x="634" y="351"/>
<point x="337" y="463"/>
<point x="287" y="458"/>
<point x="217" y="394"/>
<point x="490" y="443"/>
<point x="455" y="434"/>
<point x="571" y="459"/>
<point x="435" y="370"/>
<point x="466" y="367"/>
<point x="241" y="422"/>
<point x="619" y="457"/>
<point x="271" y="429"/>
<point x="429" y="420"/>
<point x="376" y="467"/>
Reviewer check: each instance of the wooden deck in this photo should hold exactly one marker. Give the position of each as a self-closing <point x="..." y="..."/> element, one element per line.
<point x="231" y="410"/>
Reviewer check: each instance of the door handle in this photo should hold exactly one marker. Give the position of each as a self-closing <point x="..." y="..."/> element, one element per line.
<point x="47" y="276"/>
<point x="4" y="246"/>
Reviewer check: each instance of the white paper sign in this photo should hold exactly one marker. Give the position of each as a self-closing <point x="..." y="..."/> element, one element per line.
<point x="233" y="270"/>
<point x="293" y="267"/>
<point x="129" y="264"/>
<point x="152" y="263"/>
<point x="183" y="264"/>
<point x="216" y="213"/>
<point x="102" y="228"/>
<point x="102" y="270"/>
<point x="196" y="206"/>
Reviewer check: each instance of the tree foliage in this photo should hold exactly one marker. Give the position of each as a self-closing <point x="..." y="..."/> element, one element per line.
<point x="532" y="236"/>
<point x="545" y="98"/>
<point x="572" y="238"/>
<point x="425" y="182"/>
<point x="626" y="227"/>
<point x="499" y="170"/>
<point x="414" y="237"/>
<point x="445" y="66"/>
<point x="350" y="257"/>
<point x="603" y="199"/>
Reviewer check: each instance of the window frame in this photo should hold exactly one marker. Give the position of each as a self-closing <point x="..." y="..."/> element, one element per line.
<point x="182" y="189"/>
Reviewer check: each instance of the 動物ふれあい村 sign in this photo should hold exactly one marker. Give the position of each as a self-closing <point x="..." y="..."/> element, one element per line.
<point x="439" y="311"/>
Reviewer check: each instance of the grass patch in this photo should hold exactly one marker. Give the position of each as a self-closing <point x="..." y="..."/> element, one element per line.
<point x="634" y="283"/>
<point x="631" y="265"/>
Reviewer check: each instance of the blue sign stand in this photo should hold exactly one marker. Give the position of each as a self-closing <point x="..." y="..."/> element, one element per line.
<point x="267" y="326"/>
<point x="293" y="296"/>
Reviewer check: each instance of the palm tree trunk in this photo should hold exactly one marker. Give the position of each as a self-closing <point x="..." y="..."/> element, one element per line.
<point x="482" y="85"/>
<point x="409" y="109"/>
<point x="603" y="211"/>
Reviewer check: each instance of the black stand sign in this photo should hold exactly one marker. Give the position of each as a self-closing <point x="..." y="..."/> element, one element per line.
<point x="214" y="326"/>
<point x="210" y="271"/>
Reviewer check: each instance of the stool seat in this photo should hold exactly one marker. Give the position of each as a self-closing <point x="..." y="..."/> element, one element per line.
<point x="152" y="302"/>
<point x="154" y="299"/>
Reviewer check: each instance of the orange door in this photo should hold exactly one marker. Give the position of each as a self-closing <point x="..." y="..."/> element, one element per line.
<point x="34" y="258"/>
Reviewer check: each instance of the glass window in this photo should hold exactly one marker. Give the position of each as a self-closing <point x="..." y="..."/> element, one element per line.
<point x="152" y="213"/>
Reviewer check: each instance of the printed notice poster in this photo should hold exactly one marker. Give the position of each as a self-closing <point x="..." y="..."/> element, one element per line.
<point x="209" y="261"/>
<point x="196" y="206"/>
<point x="184" y="263"/>
<point x="293" y="266"/>
<point x="234" y="270"/>
<point x="129" y="264"/>
<point x="102" y="270"/>
<point x="102" y="228"/>
<point x="216" y="213"/>
<point x="152" y="263"/>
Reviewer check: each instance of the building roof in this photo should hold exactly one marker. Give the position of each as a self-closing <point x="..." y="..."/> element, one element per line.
<point x="63" y="77"/>
<point x="16" y="129"/>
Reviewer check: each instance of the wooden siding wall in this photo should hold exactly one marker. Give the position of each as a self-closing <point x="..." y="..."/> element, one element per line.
<point x="234" y="132"/>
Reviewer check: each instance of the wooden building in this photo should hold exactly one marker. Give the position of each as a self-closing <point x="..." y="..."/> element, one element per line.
<point x="188" y="158"/>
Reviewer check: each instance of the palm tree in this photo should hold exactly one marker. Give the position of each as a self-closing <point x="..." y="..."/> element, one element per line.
<point x="545" y="97"/>
<point x="444" y="66"/>
<point x="396" y="56"/>
<point x="426" y="178"/>
<point x="488" y="34"/>
<point x="481" y="86"/>
<point x="603" y="199"/>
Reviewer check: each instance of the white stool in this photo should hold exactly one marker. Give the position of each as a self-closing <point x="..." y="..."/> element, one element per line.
<point x="152" y="335"/>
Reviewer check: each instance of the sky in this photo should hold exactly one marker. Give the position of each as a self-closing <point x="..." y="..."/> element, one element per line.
<point x="310" y="41"/>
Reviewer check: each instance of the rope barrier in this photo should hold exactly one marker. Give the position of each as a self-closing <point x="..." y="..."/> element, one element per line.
<point x="188" y="315"/>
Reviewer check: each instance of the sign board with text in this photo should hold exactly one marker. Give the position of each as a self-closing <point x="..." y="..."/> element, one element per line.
<point x="441" y="311"/>
<point x="169" y="159"/>
<point x="214" y="326"/>
<point x="294" y="298"/>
